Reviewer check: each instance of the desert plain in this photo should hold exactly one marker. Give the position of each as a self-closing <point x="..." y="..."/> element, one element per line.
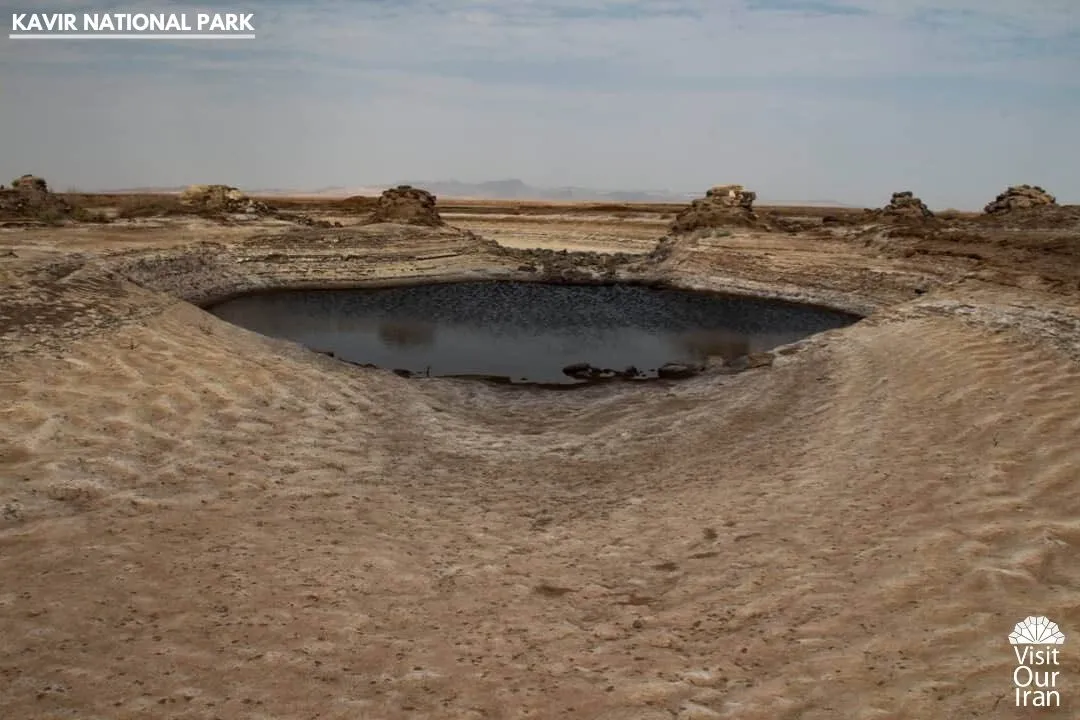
<point x="200" y="522"/>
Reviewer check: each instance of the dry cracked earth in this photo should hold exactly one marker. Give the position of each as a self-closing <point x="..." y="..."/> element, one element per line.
<point x="199" y="522"/>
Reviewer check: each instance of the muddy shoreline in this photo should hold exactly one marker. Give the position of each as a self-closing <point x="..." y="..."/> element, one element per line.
<point x="205" y="274"/>
<point x="65" y="294"/>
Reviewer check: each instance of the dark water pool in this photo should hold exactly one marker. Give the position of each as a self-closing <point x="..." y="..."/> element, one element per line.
<point x="526" y="332"/>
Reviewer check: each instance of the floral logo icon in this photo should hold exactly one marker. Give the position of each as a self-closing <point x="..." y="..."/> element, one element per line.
<point x="1036" y="630"/>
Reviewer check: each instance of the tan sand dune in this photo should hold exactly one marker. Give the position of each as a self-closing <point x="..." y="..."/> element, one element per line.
<point x="199" y="522"/>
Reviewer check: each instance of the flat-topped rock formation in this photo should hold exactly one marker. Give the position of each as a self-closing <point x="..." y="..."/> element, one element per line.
<point x="29" y="198"/>
<point x="905" y="205"/>
<point x="1020" y="197"/>
<point x="221" y="198"/>
<point x="407" y="205"/>
<point x="30" y="183"/>
<point x="722" y="206"/>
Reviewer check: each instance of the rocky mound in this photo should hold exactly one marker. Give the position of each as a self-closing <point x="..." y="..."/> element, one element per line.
<point x="906" y="206"/>
<point x="30" y="183"/>
<point x="722" y="206"/>
<point x="29" y="198"/>
<point x="221" y="203"/>
<point x="406" y="205"/>
<point x="563" y="265"/>
<point x="221" y="199"/>
<point x="1020" y="197"/>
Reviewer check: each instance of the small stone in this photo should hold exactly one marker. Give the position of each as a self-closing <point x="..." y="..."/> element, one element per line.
<point x="677" y="371"/>
<point x="580" y="370"/>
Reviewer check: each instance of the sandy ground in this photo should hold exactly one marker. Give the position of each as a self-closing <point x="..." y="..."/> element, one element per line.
<point x="591" y="233"/>
<point x="199" y="522"/>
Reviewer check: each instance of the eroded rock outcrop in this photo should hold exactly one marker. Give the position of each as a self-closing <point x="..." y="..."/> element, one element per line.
<point x="905" y="205"/>
<point x="29" y="198"/>
<point x="1020" y="197"/>
<point x="722" y="206"/>
<point x="30" y="183"/>
<point x="407" y="205"/>
<point x="566" y="266"/>
<point x="221" y="199"/>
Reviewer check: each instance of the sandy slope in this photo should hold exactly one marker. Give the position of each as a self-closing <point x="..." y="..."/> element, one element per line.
<point x="196" y="522"/>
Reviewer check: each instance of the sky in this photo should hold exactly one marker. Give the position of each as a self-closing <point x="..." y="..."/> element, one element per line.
<point x="799" y="100"/>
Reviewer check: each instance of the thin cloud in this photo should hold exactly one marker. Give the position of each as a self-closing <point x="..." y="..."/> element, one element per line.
<point x="799" y="98"/>
<point x="558" y="42"/>
<point x="808" y="7"/>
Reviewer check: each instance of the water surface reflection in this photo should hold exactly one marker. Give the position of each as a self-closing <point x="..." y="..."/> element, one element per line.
<point x="526" y="331"/>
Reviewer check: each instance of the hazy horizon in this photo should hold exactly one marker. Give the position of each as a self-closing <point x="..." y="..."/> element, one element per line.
<point x="439" y="187"/>
<point x="798" y="100"/>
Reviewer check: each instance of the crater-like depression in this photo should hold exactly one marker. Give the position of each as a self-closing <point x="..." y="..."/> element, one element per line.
<point x="529" y="332"/>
